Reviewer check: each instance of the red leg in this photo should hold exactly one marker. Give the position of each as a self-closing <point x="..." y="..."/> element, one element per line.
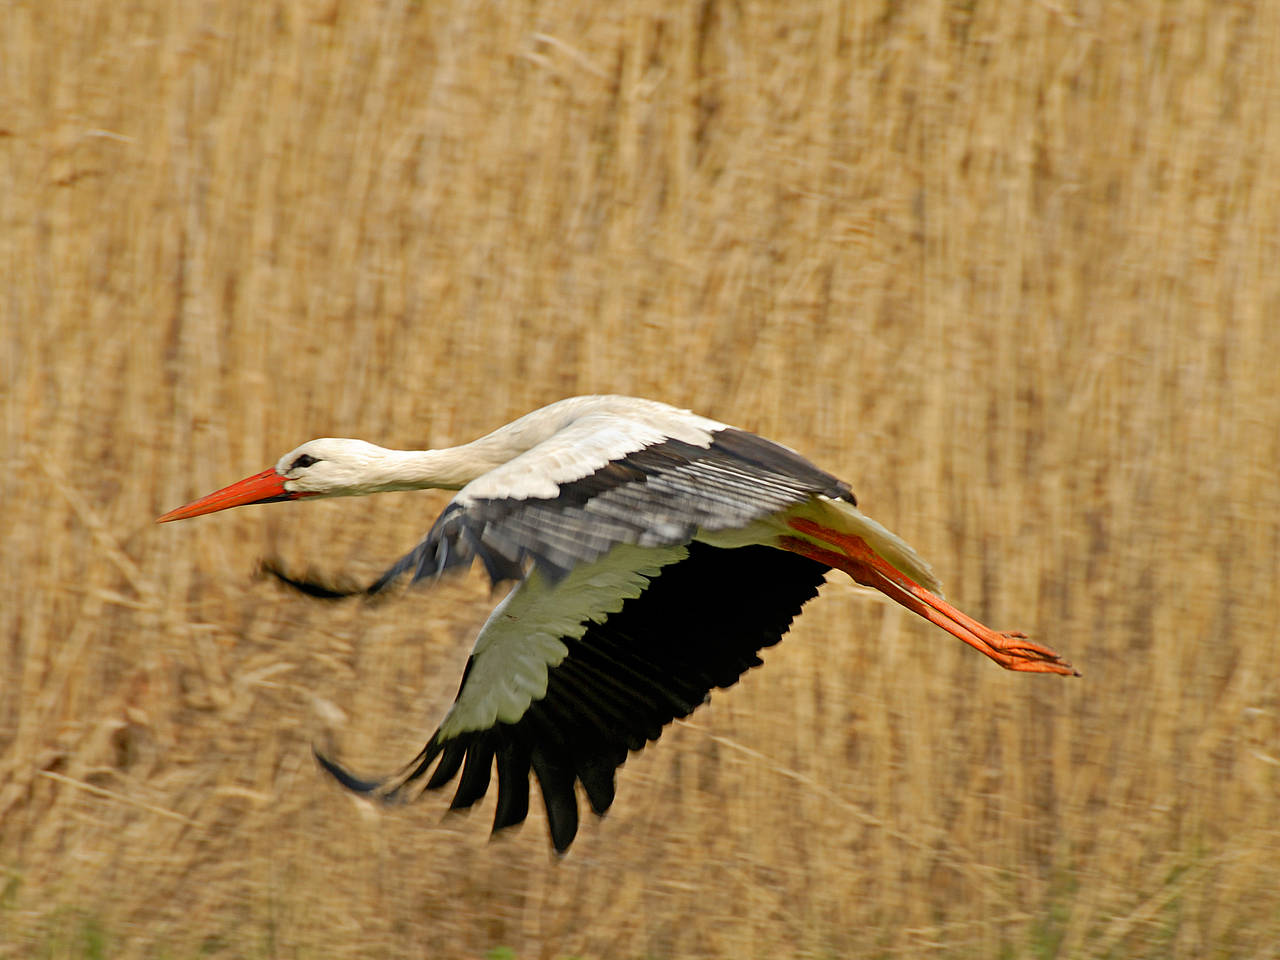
<point x="1012" y="650"/>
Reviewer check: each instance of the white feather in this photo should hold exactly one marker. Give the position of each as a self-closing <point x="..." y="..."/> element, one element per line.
<point x="587" y="435"/>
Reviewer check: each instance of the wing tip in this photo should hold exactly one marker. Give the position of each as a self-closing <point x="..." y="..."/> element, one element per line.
<point x="346" y="777"/>
<point x="311" y="585"/>
<point x="562" y="813"/>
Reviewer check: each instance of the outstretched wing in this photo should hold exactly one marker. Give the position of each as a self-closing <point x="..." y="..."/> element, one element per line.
<point x="603" y="481"/>
<point x="568" y="676"/>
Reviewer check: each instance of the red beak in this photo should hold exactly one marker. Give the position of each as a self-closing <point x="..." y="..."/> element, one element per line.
<point x="264" y="487"/>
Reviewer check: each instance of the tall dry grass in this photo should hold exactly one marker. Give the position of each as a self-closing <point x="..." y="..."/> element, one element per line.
<point x="1011" y="269"/>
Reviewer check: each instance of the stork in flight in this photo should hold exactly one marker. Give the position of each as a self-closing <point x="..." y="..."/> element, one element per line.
<point x="654" y="553"/>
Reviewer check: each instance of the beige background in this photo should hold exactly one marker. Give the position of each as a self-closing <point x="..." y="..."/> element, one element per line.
<point x="1012" y="270"/>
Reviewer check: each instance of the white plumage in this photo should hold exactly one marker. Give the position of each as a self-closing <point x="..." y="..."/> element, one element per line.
<point x="654" y="551"/>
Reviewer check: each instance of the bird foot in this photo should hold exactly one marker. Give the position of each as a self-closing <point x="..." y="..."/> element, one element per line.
<point x="1013" y="651"/>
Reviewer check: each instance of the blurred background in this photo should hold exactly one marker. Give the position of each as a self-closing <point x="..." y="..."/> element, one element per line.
<point x="1012" y="270"/>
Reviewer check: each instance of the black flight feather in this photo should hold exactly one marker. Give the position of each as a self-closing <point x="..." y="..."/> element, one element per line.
<point x="699" y="624"/>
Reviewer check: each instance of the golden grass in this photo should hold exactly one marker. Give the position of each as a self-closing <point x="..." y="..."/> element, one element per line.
<point x="1011" y="269"/>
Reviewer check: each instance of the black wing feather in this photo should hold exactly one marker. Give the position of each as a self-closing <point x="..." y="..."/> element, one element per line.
<point x="699" y="625"/>
<point x="476" y="771"/>
<point x="513" y="782"/>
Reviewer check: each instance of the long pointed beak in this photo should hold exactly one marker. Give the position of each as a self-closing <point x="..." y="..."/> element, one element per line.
<point x="264" y="487"/>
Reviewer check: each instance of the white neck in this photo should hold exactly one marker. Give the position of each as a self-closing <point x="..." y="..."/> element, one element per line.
<point x="450" y="468"/>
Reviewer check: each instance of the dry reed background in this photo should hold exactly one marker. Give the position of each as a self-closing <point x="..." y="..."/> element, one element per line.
<point x="1011" y="269"/>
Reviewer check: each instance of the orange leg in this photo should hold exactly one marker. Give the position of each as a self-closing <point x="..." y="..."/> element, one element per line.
<point x="1012" y="650"/>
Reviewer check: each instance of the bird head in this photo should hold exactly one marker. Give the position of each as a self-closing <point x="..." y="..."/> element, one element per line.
<point x="328" y="467"/>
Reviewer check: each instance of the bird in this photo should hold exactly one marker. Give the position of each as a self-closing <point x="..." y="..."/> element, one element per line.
<point x="653" y="554"/>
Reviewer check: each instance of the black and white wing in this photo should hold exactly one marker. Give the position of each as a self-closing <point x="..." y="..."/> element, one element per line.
<point x="605" y="480"/>
<point x="569" y="675"/>
<point x="622" y="620"/>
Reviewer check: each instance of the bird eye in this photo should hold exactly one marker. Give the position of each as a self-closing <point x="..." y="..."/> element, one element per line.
<point x="304" y="460"/>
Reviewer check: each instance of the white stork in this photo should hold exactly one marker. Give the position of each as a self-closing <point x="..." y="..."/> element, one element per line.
<point x="654" y="551"/>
